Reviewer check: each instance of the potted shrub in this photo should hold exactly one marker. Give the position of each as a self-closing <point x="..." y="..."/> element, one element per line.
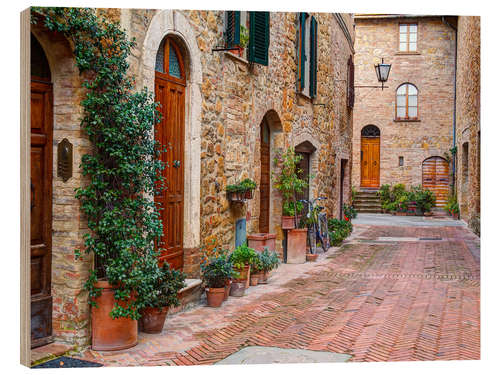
<point x="159" y="296"/>
<point x="256" y="271"/>
<point x="215" y="272"/>
<point x="289" y="184"/>
<point x="242" y="258"/>
<point x="269" y="261"/>
<point x="452" y="206"/>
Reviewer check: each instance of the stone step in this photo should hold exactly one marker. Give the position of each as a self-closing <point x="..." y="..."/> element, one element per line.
<point x="369" y="210"/>
<point x="368" y="206"/>
<point x="366" y="200"/>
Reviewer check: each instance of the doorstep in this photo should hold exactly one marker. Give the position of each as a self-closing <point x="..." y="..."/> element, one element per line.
<point x="189" y="296"/>
<point x="50" y="351"/>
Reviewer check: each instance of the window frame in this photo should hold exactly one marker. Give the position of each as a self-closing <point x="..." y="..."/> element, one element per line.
<point x="407" y="50"/>
<point x="170" y="42"/>
<point x="307" y="54"/>
<point x="396" y="106"/>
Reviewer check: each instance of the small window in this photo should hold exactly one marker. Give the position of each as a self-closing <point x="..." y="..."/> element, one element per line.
<point x="169" y="60"/>
<point x="406" y="102"/>
<point x="401" y="161"/>
<point x="408" y="37"/>
<point x="307" y="46"/>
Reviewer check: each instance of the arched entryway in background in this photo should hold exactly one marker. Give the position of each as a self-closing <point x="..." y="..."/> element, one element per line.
<point x="170" y="86"/>
<point x="41" y="195"/>
<point x="305" y="149"/>
<point x="436" y="178"/>
<point x="370" y="157"/>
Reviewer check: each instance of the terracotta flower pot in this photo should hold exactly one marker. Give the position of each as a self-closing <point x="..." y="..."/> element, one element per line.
<point x="254" y="279"/>
<point x="428" y="213"/>
<point x="263" y="277"/>
<point x="109" y="333"/>
<point x="259" y="241"/>
<point x="454" y="215"/>
<point x="287" y="222"/>
<point x="215" y="296"/>
<point x="249" y="194"/>
<point x="311" y="257"/>
<point x="226" y="289"/>
<point x="296" y="249"/>
<point x="153" y="319"/>
<point x="237" y="289"/>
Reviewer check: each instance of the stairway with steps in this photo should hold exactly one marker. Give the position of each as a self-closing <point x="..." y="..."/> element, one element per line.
<point x="367" y="201"/>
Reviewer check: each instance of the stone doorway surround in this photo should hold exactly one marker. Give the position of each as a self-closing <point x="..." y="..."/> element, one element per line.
<point x="174" y="24"/>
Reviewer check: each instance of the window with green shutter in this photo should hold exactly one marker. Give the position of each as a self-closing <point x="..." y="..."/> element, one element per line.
<point x="259" y="38"/>
<point x="232" y="28"/>
<point x="313" y="65"/>
<point x="302" y="51"/>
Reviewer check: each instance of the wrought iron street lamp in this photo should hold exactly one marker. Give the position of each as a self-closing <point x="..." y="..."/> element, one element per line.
<point x="382" y="70"/>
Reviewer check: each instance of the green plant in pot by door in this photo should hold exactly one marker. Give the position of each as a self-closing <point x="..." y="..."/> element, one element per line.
<point x="122" y="172"/>
<point x="215" y="272"/>
<point x="157" y="297"/>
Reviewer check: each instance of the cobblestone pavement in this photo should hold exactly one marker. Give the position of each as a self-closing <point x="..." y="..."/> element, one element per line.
<point x="390" y="293"/>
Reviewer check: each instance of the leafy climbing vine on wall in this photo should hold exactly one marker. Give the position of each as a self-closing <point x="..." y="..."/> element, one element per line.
<point x="124" y="169"/>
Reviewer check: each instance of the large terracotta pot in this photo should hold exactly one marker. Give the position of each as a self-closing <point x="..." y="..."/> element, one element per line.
<point x="296" y="246"/>
<point x="153" y="319"/>
<point x="109" y="333"/>
<point x="288" y="222"/>
<point x="243" y="275"/>
<point x="259" y="241"/>
<point x="254" y="279"/>
<point x="215" y="296"/>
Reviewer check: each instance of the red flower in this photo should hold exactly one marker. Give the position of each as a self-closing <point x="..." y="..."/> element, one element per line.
<point x="346" y="218"/>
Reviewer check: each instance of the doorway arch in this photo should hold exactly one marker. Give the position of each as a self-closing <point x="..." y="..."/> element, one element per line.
<point x="370" y="157"/>
<point x="436" y="178"/>
<point x="170" y="87"/>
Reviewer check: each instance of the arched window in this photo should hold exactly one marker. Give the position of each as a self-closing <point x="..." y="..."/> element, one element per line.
<point x="169" y="61"/>
<point x="406" y="102"/>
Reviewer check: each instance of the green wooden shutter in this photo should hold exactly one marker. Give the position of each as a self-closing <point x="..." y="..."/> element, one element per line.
<point x="258" y="45"/>
<point x="232" y="28"/>
<point x="350" y="93"/>
<point x="302" y="50"/>
<point x="313" y="64"/>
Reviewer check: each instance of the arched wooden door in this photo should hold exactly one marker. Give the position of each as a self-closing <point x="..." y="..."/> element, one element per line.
<point x="170" y="87"/>
<point x="41" y="196"/>
<point x="435" y="177"/>
<point x="265" y="184"/>
<point x="370" y="157"/>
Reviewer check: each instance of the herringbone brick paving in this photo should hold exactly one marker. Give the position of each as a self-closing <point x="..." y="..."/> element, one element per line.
<point x="377" y="301"/>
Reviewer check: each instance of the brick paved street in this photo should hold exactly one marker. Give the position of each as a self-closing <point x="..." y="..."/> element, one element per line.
<point x="390" y="293"/>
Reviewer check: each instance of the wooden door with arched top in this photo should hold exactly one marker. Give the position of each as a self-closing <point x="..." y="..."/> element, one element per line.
<point x="370" y="157"/>
<point x="170" y="87"/>
<point x="41" y="196"/>
<point x="265" y="182"/>
<point x="435" y="177"/>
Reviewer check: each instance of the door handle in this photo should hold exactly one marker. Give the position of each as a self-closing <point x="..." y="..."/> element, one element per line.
<point x="177" y="163"/>
<point x="32" y="195"/>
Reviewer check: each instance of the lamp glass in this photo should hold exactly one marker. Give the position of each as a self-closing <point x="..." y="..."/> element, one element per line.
<point x="382" y="71"/>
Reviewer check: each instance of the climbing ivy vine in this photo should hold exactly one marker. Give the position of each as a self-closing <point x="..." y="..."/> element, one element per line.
<point x="123" y="169"/>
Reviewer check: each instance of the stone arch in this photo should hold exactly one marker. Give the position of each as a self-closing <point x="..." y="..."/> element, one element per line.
<point x="173" y="23"/>
<point x="370" y="131"/>
<point x="70" y="305"/>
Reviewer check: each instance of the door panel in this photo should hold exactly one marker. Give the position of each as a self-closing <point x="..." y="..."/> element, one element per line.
<point x="435" y="177"/>
<point x="265" y="139"/>
<point x="370" y="162"/>
<point x="170" y="133"/>
<point x="41" y="212"/>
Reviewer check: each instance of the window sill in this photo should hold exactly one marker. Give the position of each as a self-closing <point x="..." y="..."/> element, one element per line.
<point x="407" y="120"/>
<point x="407" y="53"/>
<point x="304" y="96"/>
<point x="236" y="57"/>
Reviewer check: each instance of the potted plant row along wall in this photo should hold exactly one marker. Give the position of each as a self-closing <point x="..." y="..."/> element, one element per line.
<point x="289" y="184"/>
<point x="399" y="201"/>
<point x="123" y="171"/>
<point x="241" y="191"/>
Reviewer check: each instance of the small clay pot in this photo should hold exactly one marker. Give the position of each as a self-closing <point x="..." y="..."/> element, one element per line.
<point x="215" y="296"/>
<point x="153" y="319"/>
<point x="227" y="288"/>
<point x="254" y="279"/>
<point x="237" y="289"/>
<point x="288" y="222"/>
<point x="263" y="277"/>
<point x="311" y="257"/>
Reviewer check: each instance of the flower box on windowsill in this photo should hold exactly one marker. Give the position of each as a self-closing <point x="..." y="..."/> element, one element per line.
<point x="239" y="196"/>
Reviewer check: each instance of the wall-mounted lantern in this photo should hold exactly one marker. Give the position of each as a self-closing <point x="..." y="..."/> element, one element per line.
<point x="382" y="71"/>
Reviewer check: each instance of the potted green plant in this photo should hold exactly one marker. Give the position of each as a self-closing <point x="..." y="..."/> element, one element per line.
<point x="256" y="271"/>
<point x="242" y="258"/>
<point x="215" y="272"/>
<point x="248" y="186"/>
<point x="452" y="206"/>
<point x="269" y="261"/>
<point x="158" y="296"/>
<point x="241" y="191"/>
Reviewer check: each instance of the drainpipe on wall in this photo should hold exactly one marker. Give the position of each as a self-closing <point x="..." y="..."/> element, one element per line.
<point x="454" y="103"/>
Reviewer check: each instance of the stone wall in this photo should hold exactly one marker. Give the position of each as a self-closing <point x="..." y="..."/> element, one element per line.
<point x="431" y="70"/>
<point x="468" y="119"/>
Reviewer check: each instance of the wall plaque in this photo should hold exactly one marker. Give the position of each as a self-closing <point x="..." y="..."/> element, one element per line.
<point x="65" y="160"/>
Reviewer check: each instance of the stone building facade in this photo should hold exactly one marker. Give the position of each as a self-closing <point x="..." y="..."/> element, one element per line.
<point x="468" y="116"/>
<point x="227" y="98"/>
<point x="416" y="134"/>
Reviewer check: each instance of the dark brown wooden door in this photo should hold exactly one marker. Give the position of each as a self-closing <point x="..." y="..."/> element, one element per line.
<point x="435" y="177"/>
<point x="370" y="162"/>
<point x="41" y="212"/>
<point x="265" y="141"/>
<point x="170" y="93"/>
